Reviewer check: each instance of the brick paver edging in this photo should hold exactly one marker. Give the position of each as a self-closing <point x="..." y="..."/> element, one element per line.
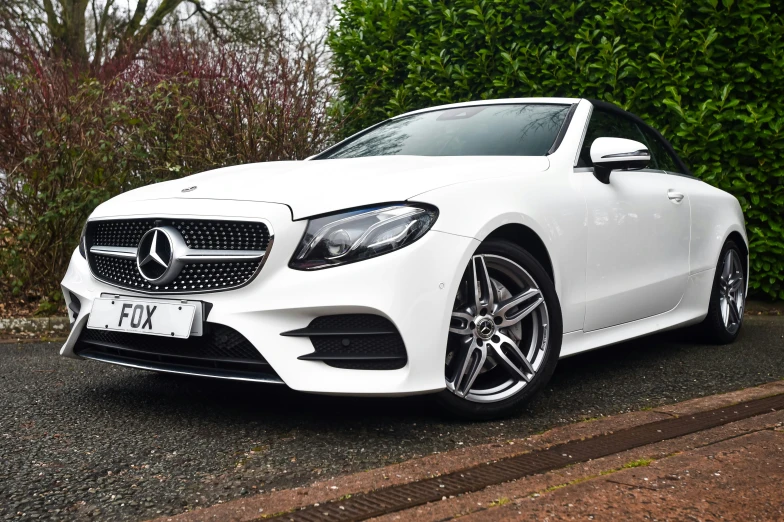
<point x="267" y="504"/>
<point x="35" y="327"/>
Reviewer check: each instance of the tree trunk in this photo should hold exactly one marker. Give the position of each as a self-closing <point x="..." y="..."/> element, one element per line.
<point x="68" y="33"/>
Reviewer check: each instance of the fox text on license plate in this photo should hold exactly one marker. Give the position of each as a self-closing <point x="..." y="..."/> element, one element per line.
<point x="146" y="317"/>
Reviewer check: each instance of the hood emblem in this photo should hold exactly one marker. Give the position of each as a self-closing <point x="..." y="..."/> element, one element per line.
<point x="155" y="255"/>
<point x="189" y="189"/>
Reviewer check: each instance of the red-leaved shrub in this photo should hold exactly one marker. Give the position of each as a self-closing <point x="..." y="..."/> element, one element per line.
<point x="187" y="105"/>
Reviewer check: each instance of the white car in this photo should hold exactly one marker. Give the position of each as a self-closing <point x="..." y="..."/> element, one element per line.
<point x="459" y="250"/>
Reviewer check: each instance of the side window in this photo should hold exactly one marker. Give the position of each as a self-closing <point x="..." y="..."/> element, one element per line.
<point x="606" y="125"/>
<point x="661" y="157"/>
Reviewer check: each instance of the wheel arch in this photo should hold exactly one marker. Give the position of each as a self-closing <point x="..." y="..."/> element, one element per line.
<point x="526" y="238"/>
<point x="522" y="209"/>
<point x="741" y="242"/>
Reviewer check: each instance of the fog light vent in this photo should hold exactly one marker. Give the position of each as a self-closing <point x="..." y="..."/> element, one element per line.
<point x="75" y="305"/>
<point x="354" y="341"/>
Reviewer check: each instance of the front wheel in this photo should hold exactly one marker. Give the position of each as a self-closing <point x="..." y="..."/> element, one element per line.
<point x="505" y="333"/>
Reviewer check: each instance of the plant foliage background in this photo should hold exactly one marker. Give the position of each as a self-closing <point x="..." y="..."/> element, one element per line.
<point x="708" y="73"/>
<point x="74" y="134"/>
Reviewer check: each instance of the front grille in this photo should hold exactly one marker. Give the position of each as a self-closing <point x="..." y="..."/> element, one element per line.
<point x="202" y="236"/>
<point x="220" y="352"/>
<point x="355" y="342"/>
<point x="198" y="234"/>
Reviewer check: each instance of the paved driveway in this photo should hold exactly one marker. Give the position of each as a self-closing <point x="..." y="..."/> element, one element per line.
<point x="81" y="439"/>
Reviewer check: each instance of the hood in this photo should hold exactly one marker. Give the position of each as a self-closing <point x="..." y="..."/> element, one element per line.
<point x="316" y="187"/>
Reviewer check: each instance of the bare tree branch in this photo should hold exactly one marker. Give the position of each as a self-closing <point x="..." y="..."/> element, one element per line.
<point x="100" y="28"/>
<point x="51" y="16"/>
<point x="208" y="17"/>
<point x="135" y="21"/>
<point x="103" y="37"/>
<point x="137" y="35"/>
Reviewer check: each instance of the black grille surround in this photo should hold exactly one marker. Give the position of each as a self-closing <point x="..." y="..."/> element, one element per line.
<point x="200" y="235"/>
<point x="221" y="352"/>
<point x="354" y="342"/>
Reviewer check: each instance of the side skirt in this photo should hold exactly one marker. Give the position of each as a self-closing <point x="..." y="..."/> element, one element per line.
<point x="692" y="309"/>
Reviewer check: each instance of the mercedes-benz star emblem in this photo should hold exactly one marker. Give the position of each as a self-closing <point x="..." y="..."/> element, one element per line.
<point x="154" y="256"/>
<point x="485" y="328"/>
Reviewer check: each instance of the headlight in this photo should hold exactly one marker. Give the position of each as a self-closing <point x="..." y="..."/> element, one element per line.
<point x="82" y="250"/>
<point x="360" y="234"/>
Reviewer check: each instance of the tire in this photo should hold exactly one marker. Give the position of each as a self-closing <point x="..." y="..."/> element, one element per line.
<point x="716" y="329"/>
<point x="522" y="351"/>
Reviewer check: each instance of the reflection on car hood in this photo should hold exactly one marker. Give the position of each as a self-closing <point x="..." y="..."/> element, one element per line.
<point x="315" y="187"/>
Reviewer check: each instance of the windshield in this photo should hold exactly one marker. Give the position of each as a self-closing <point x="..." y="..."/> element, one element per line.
<point x="484" y="130"/>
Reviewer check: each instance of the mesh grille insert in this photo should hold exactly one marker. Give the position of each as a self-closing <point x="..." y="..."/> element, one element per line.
<point x="196" y="277"/>
<point x="199" y="235"/>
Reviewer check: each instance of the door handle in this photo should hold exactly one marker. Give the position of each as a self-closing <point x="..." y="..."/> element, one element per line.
<point x="675" y="197"/>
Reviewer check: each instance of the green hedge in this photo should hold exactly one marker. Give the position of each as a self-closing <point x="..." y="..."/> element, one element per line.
<point x="709" y="74"/>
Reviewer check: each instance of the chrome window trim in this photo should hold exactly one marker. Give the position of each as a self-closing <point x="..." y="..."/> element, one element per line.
<point x="582" y="138"/>
<point x="563" y="130"/>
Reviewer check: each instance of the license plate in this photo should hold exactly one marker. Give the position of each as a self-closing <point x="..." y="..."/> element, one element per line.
<point x="141" y="316"/>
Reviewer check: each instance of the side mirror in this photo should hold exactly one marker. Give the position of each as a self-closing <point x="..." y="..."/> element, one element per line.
<point x="608" y="154"/>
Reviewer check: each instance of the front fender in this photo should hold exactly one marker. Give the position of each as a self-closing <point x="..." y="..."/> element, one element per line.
<point x="549" y="203"/>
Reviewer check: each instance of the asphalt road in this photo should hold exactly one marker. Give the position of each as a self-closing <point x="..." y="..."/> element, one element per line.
<point x="81" y="439"/>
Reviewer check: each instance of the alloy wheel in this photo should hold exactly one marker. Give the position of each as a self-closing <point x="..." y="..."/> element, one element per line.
<point x="731" y="288"/>
<point x="498" y="332"/>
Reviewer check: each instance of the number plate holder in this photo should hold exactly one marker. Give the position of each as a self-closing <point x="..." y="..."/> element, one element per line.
<point x="176" y="318"/>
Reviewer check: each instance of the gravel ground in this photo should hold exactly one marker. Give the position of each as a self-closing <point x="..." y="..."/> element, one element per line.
<point x="86" y="439"/>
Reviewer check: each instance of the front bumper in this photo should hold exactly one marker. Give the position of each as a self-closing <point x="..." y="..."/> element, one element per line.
<point x="414" y="288"/>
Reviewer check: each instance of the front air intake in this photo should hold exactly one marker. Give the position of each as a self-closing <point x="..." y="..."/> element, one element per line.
<point x="355" y="342"/>
<point x="221" y="352"/>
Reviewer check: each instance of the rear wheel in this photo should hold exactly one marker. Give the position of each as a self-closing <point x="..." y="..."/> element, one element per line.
<point x="728" y="297"/>
<point x="505" y="333"/>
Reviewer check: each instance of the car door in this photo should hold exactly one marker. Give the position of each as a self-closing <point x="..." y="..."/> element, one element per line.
<point x="638" y="228"/>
